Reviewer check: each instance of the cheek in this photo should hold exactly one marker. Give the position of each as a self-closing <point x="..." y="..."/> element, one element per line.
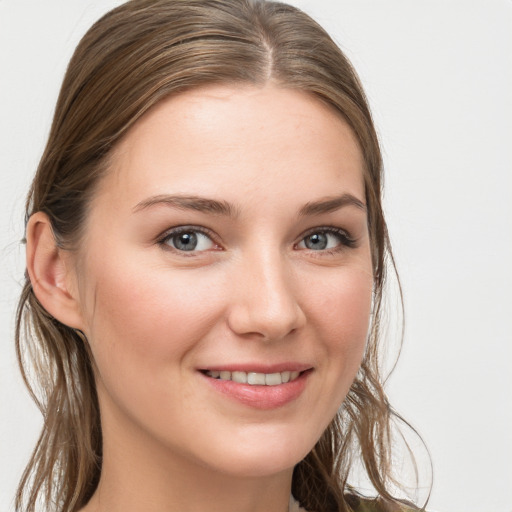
<point x="342" y="310"/>
<point x="141" y="320"/>
<point x="342" y="316"/>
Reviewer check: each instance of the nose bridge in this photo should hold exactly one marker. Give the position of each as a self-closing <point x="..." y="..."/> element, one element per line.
<point x="266" y="302"/>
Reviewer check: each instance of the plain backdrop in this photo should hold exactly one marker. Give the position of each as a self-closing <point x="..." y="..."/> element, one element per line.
<point x="438" y="74"/>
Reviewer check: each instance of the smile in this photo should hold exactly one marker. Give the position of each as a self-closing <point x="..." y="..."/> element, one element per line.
<point x="254" y="378"/>
<point x="260" y="390"/>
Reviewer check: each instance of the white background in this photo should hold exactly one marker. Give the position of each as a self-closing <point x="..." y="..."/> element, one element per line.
<point x="438" y="74"/>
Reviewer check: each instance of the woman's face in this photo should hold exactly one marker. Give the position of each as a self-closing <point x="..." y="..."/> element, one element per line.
<point x="228" y="242"/>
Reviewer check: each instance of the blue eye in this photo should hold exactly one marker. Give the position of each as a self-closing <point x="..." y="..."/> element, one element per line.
<point x="322" y="240"/>
<point x="188" y="240"/>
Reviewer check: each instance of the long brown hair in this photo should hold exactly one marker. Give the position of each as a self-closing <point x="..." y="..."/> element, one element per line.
<point x="133" y="57"/>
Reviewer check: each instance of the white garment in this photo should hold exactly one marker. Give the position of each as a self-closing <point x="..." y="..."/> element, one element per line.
<point x="294" y="505"/>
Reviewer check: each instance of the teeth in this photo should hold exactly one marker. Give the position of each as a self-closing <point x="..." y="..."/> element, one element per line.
<point x="272" y="379"/>
<point x="256" y="379"/>
<point x="253" y="378"/>
<point x="240" y="377"/>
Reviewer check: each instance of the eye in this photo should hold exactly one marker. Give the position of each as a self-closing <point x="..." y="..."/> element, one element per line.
<point x="188" y="240"/>
<point x="325" y="240"/>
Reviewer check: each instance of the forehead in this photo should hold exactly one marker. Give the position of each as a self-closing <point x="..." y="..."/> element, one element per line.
<point x="240" y="142"/>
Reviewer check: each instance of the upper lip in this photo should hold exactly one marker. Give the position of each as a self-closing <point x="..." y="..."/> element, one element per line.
<point x="259" y="367"/>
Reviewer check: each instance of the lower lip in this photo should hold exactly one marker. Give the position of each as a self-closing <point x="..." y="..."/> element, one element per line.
<point x="261" y="397"/>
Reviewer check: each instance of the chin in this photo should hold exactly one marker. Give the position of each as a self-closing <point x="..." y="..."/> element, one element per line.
<point x="260" y="466"/>
<point x="265" y="455"/>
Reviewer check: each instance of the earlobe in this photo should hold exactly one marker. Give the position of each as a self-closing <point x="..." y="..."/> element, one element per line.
<point x="49" y="272"/>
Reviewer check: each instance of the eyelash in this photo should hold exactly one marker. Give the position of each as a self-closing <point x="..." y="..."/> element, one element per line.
<point x="346" y="241"/>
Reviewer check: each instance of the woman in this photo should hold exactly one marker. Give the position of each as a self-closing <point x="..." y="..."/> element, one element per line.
<point x="206" y="256"/>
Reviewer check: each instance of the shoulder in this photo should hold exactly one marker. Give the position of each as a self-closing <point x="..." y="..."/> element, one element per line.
<point x="361" y="504"/>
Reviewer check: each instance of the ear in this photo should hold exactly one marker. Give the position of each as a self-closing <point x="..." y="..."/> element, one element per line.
<point x="51" y="273"/>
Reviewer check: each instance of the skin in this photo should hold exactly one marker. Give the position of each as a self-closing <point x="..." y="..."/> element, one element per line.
<point x="253" y="294"/>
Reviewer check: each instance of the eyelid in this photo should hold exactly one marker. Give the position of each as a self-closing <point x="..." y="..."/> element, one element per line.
<point x="328" y="229"/>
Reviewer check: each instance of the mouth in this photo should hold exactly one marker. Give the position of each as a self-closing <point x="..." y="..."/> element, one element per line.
<point x="259" y="386"/>
<point x="255" y="378"/>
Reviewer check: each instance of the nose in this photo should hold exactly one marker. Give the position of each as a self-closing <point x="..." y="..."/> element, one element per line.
<point x="265" y="304"/>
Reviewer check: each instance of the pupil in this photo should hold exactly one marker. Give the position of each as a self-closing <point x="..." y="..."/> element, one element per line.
<point x="318" y="241"/>
<point x="186" y="241"/>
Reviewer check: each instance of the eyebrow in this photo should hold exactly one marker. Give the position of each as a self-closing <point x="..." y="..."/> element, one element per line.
<point x="331" y="204"/>
<point x="181" y="202"/>
<point x="206" y="205"/>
